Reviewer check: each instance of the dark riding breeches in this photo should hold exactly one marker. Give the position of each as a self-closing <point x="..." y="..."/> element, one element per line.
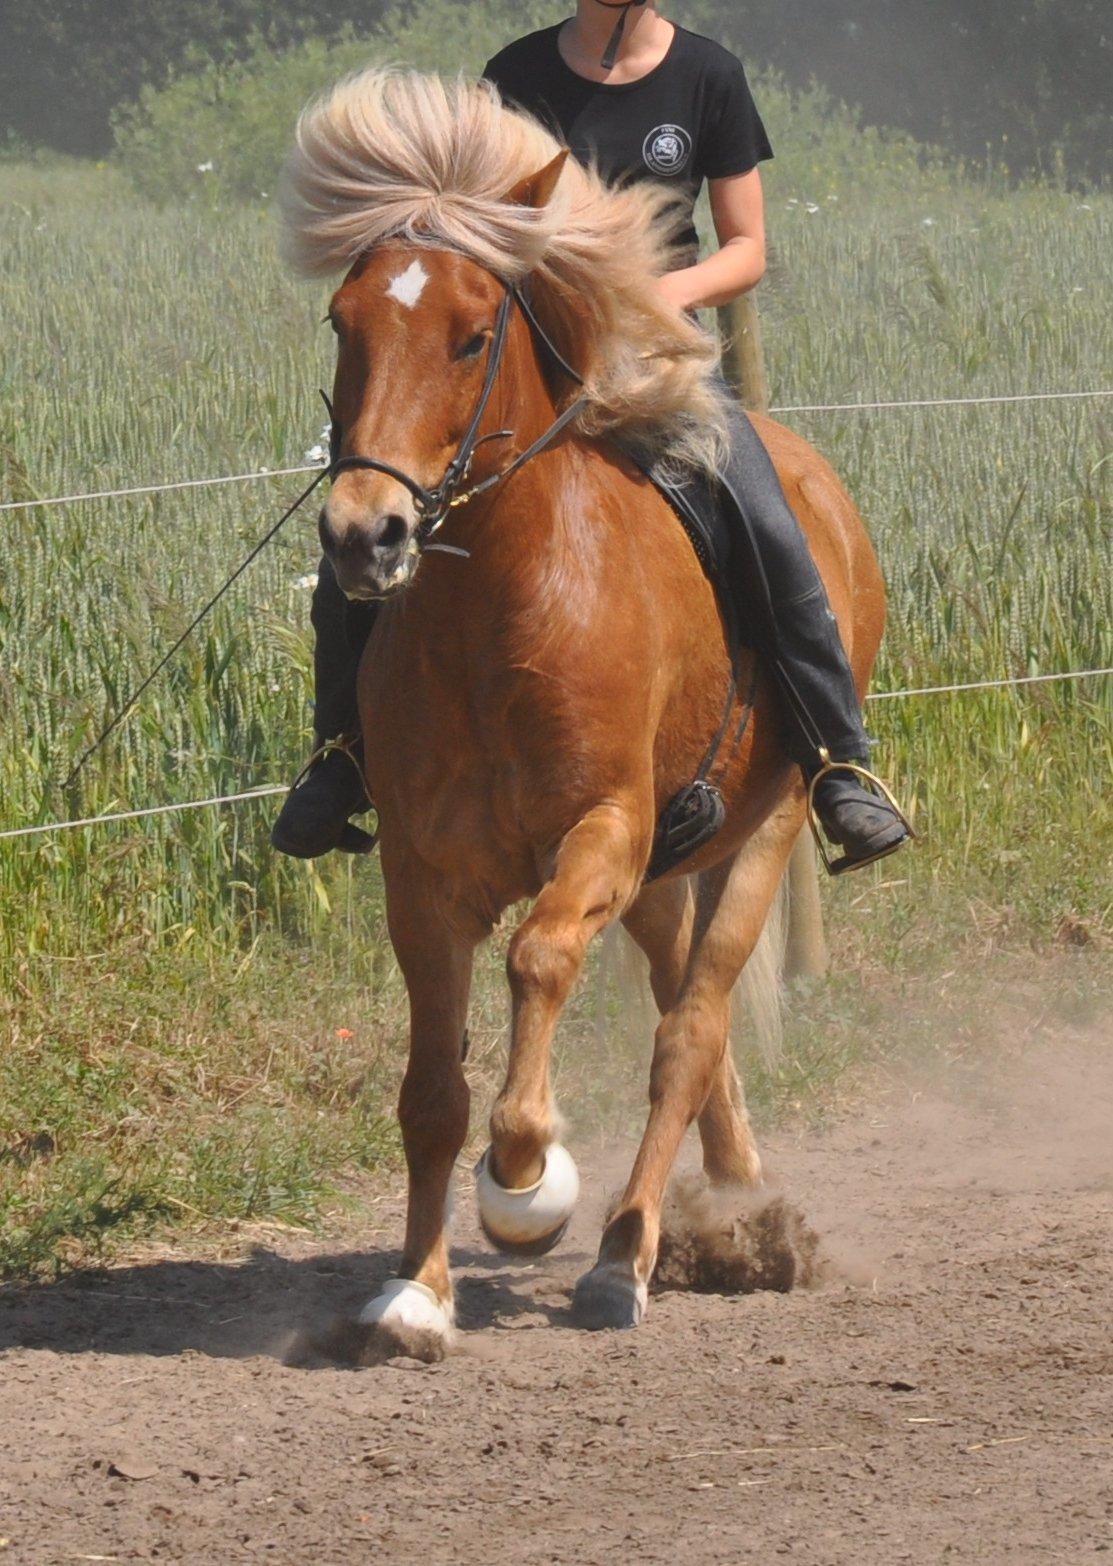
<point x="342" y="629"/>
<point x="781" y="605"/>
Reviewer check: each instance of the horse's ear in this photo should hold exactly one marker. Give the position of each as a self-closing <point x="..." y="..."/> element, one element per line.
<point x="536" y="190"/>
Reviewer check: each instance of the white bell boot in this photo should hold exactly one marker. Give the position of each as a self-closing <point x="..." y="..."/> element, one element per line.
<point x="529" y="1222"/>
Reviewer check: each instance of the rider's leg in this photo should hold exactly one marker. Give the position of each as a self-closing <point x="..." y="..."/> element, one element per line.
<point x="783" y="597"/>
<point x="314" y="818"/>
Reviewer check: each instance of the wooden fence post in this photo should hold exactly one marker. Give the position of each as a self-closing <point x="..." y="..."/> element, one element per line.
<point x="744" y="366"/>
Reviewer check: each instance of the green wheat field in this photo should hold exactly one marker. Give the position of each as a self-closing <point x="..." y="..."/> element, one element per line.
<point x="195" y="1032"/>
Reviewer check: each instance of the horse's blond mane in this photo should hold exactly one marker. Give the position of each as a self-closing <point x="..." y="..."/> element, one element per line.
<point x="392" y="154"/>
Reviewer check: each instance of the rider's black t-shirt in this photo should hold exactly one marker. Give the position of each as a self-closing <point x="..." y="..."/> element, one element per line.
<point x="691" y="118"/>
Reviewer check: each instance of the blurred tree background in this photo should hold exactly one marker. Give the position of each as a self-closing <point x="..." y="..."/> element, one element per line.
<point x="1024" y="82"/>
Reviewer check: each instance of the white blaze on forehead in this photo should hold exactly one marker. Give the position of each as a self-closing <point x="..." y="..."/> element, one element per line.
<point x="409" y="285"/>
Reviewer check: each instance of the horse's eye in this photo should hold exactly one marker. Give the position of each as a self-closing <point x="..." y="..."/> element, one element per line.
<point x="474" y="347"/>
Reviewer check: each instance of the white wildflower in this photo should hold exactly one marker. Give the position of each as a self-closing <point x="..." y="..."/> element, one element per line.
<point x="306" y="584"/>
<point x="321" y="450"/>
<point x="205" y="168"/>
<point x="929" y="222"/>
<point x="811" y="207"/>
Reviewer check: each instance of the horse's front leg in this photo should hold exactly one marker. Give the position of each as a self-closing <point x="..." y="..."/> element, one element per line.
<point x="527" y="1184"/>
<point x="414" y="1313"/>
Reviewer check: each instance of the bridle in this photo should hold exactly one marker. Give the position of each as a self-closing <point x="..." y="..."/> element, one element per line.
<point x="434" y="505"/>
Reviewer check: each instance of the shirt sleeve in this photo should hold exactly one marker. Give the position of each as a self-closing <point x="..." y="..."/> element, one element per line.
<point x="501" y="74"/>
<point x="735" y="140"/>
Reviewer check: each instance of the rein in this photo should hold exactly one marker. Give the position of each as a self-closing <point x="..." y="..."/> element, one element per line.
<point x="693" y="815"/>
<point x="434" y="505"/>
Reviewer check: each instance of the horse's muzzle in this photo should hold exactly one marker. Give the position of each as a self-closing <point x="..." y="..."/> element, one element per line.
<point x="372" y="557"/>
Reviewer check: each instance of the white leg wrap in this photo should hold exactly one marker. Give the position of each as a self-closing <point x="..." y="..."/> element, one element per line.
<point x="525" y="1217"/>
<point x="404" y="1303"/>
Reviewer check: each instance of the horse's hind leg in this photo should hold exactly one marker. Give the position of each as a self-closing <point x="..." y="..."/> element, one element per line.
<point x="730" y="1155"/>
<point x="661" y="922"/>
<point x="731" y="907"/>
<point x="414" y="1313"/>
<point x="527" y="1185"/>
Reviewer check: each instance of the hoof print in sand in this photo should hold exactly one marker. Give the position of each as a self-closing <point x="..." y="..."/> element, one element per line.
<point x="734" y="1242"/>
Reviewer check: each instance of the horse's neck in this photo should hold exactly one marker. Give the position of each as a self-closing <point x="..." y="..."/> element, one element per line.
<point x="529" y="548"/>
<point x="525" y="514"/>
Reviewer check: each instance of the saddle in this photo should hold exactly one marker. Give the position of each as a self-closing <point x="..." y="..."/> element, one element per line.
<point x="702" y="507"/>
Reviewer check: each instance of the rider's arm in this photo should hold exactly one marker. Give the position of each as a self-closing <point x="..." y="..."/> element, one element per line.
<point x="738" y="208"/>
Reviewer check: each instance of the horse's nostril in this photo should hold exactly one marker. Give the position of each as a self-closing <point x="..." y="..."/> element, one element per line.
<point x="394" y="533"/>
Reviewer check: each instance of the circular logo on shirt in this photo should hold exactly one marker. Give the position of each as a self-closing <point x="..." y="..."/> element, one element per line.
<point x="667" y="150"/>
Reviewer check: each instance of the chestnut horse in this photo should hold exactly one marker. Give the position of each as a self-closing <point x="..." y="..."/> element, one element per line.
<point x="535" y="691"/>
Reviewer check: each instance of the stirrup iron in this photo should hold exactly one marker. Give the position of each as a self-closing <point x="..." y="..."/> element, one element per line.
<point x="876" y="785"/>
<point x="354" y="839"/>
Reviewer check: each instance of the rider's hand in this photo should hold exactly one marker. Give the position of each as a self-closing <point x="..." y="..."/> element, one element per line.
<point x="676" y="289"/>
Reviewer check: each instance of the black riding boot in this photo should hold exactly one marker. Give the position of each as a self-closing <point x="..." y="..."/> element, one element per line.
<point x="315" y="816"/>
<point x="781" y="594"/>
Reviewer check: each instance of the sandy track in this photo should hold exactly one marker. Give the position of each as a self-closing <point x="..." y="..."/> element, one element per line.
<point x="946" y="1396"/>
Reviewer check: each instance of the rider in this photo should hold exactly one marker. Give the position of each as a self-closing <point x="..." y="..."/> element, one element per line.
<point x="645" y="99"/>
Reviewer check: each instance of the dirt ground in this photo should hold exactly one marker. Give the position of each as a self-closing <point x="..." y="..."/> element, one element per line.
<point x="945" y="1394"/>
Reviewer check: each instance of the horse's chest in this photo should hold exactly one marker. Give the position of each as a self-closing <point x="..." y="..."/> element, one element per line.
<point x="448" y="777"/>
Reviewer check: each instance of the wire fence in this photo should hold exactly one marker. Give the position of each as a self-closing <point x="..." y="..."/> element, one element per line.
<point x="260" y="474"/>
<point x="270" y="791"/>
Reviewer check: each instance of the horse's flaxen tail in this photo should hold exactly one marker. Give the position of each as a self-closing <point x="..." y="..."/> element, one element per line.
<point x="625" y="1001"/>
<point x="757" y="1015"/>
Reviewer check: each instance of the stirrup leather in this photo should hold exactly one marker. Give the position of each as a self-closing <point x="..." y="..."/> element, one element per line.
<point x="873" y="782"/>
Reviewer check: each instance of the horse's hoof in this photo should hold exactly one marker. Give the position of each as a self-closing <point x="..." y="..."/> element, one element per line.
<point x="406" y="1319"/>
<point x="529" y="1222"/>
<point x="609" y="1297"/>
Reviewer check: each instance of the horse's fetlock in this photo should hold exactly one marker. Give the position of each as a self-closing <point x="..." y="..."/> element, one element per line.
<point x="514" y="1124"/>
